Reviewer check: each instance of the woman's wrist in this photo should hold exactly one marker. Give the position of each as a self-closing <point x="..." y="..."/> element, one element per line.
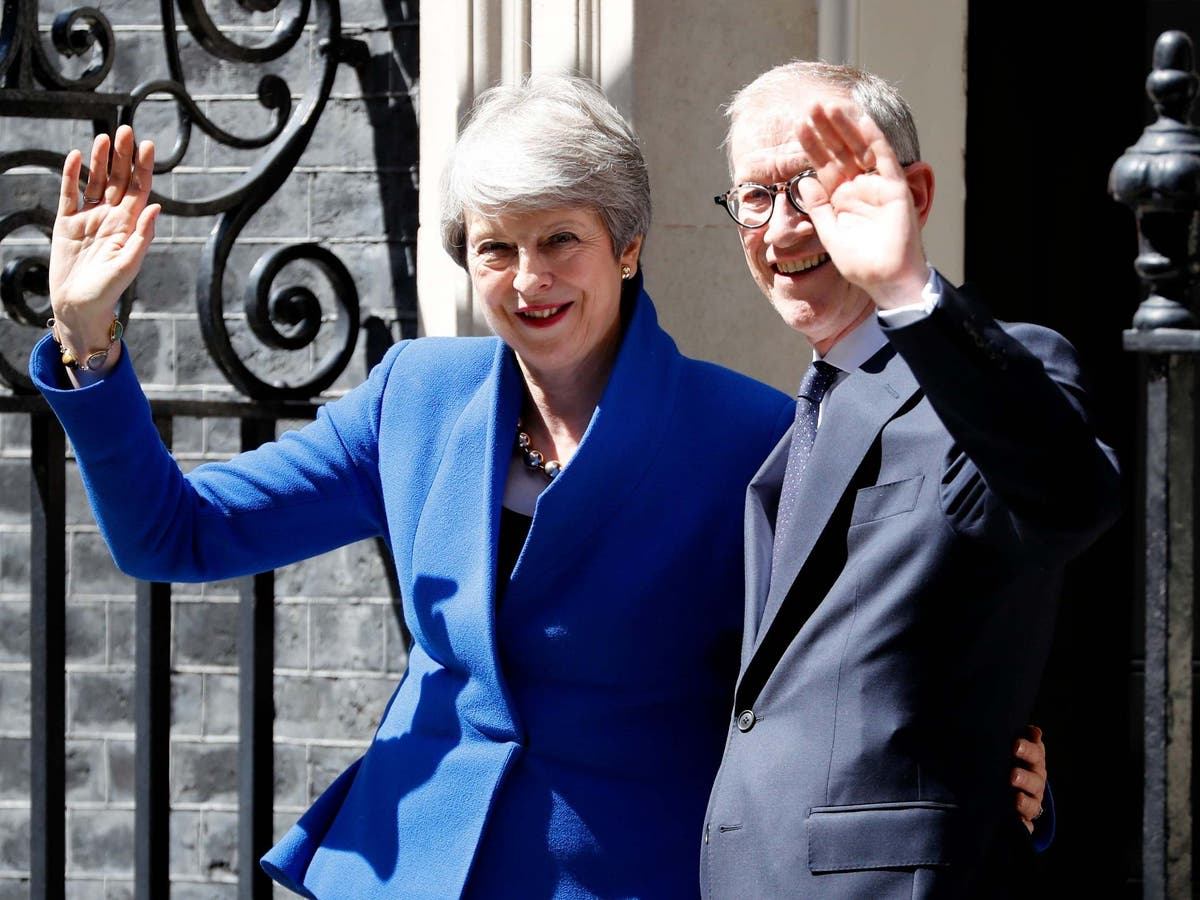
<point x="87" y="353"/>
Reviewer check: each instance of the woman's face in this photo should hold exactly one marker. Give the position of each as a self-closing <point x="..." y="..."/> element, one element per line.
<point x="550" y="287"/>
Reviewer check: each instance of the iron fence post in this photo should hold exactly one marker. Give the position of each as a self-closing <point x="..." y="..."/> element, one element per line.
<point x="47" y="659"/>
<point x="1159" y="177"/>
<point x="256" y="710"/>
<point x="152" y="730"/>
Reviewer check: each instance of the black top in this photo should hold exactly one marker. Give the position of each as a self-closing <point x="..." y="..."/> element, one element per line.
<point x="514" y="529"/>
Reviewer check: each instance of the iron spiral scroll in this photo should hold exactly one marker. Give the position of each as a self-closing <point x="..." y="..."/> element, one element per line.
<point x="280" y="316"/>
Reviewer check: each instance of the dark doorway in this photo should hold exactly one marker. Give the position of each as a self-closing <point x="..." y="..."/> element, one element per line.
<point x="1048" y="114"/>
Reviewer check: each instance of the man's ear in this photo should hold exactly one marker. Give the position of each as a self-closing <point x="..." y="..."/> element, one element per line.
<point x="919" y="176"/>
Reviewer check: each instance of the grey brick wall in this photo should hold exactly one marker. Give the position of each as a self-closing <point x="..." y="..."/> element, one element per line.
<point x="339" y="651"/>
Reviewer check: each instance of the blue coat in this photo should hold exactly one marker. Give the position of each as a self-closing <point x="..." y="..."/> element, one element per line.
<point x="561" y="747"/>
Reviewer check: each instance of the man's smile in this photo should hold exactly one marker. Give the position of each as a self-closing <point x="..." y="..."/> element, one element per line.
<point x="792" y="267"/>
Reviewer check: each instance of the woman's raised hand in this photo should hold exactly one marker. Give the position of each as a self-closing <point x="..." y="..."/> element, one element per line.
<point x="99" y="241"/>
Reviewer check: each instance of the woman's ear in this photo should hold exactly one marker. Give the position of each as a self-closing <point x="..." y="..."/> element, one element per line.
<point x="629" y="257"/>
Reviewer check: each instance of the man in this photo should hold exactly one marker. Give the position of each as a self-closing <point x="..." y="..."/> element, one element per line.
<point x="903" y="567"/>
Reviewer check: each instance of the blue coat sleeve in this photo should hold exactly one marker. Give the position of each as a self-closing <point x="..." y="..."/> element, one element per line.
<point x="306" y="493"/>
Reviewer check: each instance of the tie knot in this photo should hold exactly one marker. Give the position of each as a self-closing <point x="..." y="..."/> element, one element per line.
<point x="817" y="379"/>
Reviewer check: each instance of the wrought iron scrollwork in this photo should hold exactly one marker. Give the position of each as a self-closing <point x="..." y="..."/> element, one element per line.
<point x="25" y="276"/>
<point x="23" y="58"/>
<point x="75" y="32"/>
<point x="286" y="33"/>
<point x="272" y="94"/>
<point x="290" y="318"/>
<point x="283" y="318"/>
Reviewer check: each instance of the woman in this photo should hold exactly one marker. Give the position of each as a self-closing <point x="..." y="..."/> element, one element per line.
<point x="575" y="605"/>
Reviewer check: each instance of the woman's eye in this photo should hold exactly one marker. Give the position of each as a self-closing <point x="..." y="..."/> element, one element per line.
<point x="490" y="248"/>
<point x="563" y="237"/>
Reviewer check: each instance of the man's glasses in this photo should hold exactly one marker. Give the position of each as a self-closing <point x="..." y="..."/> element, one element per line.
<point x="751" y="204"/>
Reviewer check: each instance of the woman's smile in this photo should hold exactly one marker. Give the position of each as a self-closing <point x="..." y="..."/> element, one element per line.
<point x="543" y="316"/>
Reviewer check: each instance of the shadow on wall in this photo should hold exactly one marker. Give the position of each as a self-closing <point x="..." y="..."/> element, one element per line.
<point x="389" y="83"/>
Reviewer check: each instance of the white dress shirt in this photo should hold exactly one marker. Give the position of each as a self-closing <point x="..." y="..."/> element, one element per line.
<point x="868" y="338"/>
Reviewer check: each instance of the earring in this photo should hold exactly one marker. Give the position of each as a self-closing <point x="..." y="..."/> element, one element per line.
<point x="626" y="272"/>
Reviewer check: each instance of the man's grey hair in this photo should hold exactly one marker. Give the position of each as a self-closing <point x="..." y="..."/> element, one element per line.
<point x="778" y="87"/>
<point x="552" y="141"/>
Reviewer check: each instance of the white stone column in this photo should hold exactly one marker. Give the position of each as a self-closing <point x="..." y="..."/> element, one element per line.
<point x="446" y="90"/>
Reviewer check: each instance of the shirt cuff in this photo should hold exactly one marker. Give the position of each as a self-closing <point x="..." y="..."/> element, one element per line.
<point x="931" y="293"/>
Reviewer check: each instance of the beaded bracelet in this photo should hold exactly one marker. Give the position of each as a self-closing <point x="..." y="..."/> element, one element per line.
<point x="96" y="358"/>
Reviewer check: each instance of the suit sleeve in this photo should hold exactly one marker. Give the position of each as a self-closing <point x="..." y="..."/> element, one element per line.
<point x="306" y="493"/>
<point x="1013" y="401"/>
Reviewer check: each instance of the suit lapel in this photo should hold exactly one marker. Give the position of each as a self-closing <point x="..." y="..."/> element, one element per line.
<point x="856" y="413"/>
<point x="762" y="503"/>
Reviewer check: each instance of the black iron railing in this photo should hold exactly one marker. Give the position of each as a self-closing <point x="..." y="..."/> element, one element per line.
<point x="65" y="85"/>
<point x="283" y="318"/>
<point x="152" y="687"/>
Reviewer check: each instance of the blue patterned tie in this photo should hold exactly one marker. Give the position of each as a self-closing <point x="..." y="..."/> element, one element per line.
<point x="816" y="382"/>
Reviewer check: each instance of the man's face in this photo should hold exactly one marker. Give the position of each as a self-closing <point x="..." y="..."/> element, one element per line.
<point x="785" y="256"/>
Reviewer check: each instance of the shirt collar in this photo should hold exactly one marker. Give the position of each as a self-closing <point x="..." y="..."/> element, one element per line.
<point x="854" y="349"/>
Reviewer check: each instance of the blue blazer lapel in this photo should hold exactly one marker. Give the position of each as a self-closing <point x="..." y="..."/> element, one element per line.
<point x="455" y="545"/>
<point x="856" y="413"/>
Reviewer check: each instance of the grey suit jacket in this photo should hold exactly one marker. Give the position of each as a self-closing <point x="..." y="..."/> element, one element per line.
<point x="888" y="665"/>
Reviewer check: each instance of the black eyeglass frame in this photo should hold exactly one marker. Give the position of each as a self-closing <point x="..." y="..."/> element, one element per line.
<point x="789" y="187"/>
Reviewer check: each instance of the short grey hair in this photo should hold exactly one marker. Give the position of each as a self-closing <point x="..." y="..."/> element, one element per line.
<point x="879" y="99"/>
<point x="551" y="141"/>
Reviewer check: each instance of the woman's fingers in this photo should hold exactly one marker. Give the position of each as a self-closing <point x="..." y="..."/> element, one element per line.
<point x="1030" y="782"/>
<point x="1029" y="778"/>
<point x="125" y="182"/>
<point x="97" y="171"/>
<point x="138" y="192"/>
<point x="143" y="234"/>
<point x="99" y="245"/>
<point x="1028" y="808"/>
<point x="120" y="168"/>
<point x="1031" y="750"/>
<point x="68" y="196"/>
<point x="109" y="180"/>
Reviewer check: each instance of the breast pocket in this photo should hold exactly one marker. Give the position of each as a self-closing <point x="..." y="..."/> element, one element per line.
<point x="883" y="500"/>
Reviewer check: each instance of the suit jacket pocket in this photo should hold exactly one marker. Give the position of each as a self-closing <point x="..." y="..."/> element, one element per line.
<point x="882" y="500"/>
<point x="880" y="836"/>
